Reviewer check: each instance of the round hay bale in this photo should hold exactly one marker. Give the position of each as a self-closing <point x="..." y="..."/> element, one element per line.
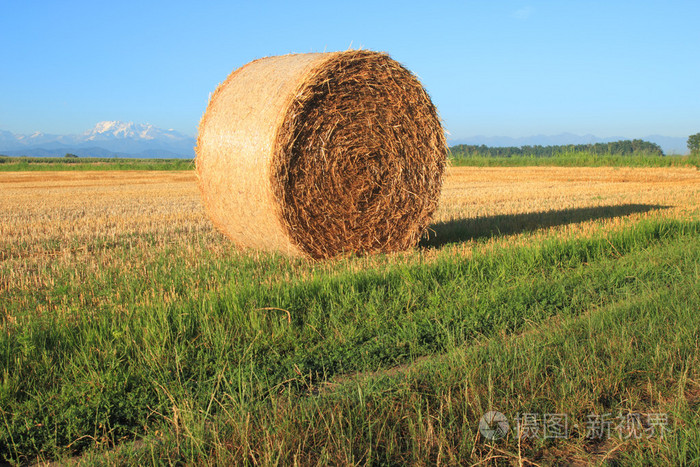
<point x="321" y="154"/>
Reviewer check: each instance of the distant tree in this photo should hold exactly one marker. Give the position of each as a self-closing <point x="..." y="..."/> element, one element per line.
<point x="70" y="156"/>
<point x="620" y="148"/>
<point x="694" y="143"/>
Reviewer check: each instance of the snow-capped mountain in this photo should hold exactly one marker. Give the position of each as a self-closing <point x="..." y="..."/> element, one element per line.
<point x="105" y="139"/>
<point x="120" y="130"/>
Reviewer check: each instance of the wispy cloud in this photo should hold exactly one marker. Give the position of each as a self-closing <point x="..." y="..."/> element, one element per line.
<point x="522" y="13"/>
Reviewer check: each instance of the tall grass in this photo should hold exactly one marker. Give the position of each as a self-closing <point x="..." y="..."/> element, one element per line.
<point x="253" y="367"/>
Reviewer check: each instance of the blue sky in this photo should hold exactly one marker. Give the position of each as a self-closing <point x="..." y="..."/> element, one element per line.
<point x="508" y="68"/>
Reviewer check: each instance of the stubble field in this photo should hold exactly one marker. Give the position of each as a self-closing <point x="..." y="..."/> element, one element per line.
<point x="134" y="332"/>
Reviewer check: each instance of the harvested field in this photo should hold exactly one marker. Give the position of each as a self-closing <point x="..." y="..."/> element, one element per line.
<point x="76" y="208"/>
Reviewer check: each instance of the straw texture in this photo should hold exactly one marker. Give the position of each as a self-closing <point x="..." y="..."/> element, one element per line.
<point x="321" y="154"/>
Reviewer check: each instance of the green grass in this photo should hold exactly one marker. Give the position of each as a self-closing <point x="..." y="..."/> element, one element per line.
<point x="576" y="159"/>
<point x="21" y="164"/>
<point x="239" y="370"/>
<point x="572" y="159"/>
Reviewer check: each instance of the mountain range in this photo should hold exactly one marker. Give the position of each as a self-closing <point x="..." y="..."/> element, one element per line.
<point x="128" y="139"/>
<point x="106" y="139"/>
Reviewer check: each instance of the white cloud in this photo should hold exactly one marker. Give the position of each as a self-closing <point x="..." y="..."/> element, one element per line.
<point x="522" y="13"/>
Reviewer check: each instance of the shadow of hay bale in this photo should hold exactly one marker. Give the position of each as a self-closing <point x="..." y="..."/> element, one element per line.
<point x="463" y="230"/>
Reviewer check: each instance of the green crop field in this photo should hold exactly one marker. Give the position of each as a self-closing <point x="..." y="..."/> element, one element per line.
<point x="23" y="164"/>
<point x="575" y="159"/>
<point x="565" y="298"/>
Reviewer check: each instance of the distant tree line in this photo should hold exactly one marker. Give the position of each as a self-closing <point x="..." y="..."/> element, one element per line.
<point x="621" y="148"/>
<point x="694" y="144"/>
